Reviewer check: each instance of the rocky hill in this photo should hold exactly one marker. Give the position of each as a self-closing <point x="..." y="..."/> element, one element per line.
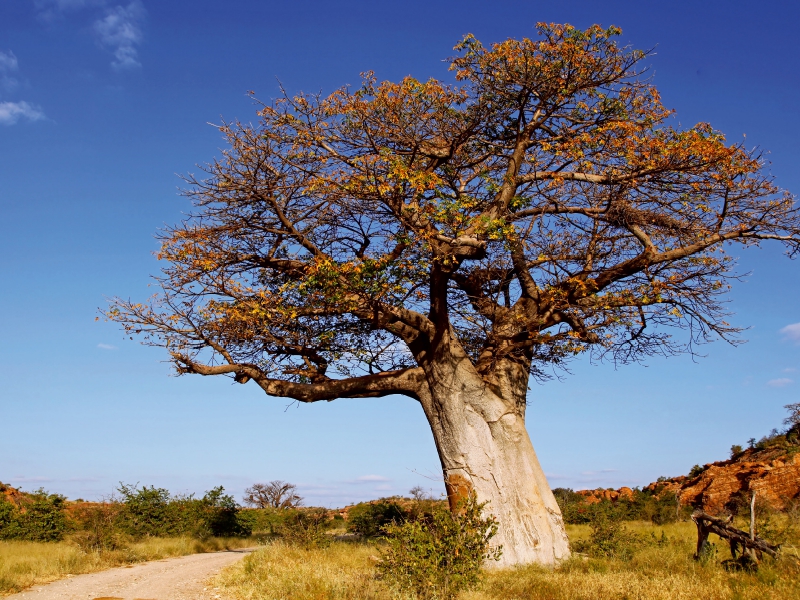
<point x="771" y="468"/>
<point x="773" y="473"/>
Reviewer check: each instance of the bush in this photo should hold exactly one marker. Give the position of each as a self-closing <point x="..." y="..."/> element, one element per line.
<point x="96" y="525"/>
<point x="147" y="511"/>
<point x="663" y="509"/>
<point x="695" y="471"/>
<point x="262" y="520"/>
<point x="370" y="518"/>
<point x="219" y="516"/>
<point x="306" y="528"/>
<point x="439" y="555"/>
<point x="609" y="539"/>
<point x="40" y="519"/>
<point x="8" y="517"/>
<point x="153" y="512"/>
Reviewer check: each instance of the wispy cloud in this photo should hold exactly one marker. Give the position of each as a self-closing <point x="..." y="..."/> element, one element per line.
<point x="8" y="62"/>
<point x="12" y="112"/>
<point x="599" y="472"/>
<point x="792" y="332"/>
<point x="781" y="382"/>
<point x="120" y="31"/>
<point x="106" y="346"/>
<point x="23" y="479"/>
<point x="50" y="10"/>
<point x="369" y="479"/>
<point x="8" y="65"/>
<point x="789" y="370"/>
<point x="117" y="27"/>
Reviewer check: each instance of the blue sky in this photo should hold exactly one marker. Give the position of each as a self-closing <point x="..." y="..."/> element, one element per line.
<point x="103" y="102"/>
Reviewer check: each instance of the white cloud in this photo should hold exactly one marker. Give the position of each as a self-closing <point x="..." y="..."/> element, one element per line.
<point x="120" y="31"/>
<point x="8" y="62"/>
<point x="789" y="370"/>
<point x="11" y="112"/>
<point x="792" y="332"/>
<point x="106" y="346"/>
<point x="779" y="383"/>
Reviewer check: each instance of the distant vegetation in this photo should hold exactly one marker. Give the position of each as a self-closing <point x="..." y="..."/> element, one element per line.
<point x="657" y="507"/>
<point x="135" y="513"/>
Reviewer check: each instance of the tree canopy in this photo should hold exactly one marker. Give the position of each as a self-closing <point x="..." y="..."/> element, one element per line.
<point x="544" y="205"/>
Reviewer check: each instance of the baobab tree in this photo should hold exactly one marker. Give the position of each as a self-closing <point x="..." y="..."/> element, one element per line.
<point x="275" y="494"/>
<point x="451" y="242"/>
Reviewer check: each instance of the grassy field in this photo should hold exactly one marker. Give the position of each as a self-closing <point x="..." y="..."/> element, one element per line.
<point x="23" y="564"/>
<point x="658" y="566"/>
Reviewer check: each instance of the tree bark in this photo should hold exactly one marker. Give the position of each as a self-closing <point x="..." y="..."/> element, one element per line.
<point x="484" y="446"/>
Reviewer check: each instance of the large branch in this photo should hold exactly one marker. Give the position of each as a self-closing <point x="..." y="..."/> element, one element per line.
<point x="406" y="382"/>
<point x="586" y="177"/>
<point x="650" y="257"/>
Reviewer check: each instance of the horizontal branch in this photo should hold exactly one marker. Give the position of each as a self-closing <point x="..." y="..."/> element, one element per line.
<point x="586" y="177"/>
<point x="406" y="382"/>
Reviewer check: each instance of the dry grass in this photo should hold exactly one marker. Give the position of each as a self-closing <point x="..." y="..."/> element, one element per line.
<point x="23" y="564"/>
<point x="342" y="571"/>
<point x="662" y="567"/>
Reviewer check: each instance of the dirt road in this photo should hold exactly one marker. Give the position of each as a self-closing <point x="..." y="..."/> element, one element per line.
<point x="182" y="578"/>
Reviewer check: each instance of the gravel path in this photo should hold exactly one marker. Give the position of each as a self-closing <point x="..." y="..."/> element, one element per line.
<point x="182" y="578"/>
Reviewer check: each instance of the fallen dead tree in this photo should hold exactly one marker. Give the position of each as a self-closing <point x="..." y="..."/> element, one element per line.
<point x="737" y="539"/>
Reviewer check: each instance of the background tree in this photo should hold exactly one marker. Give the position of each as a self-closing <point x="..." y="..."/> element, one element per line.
<point x="275" y="494"/>
<point x="449" y="242"/>
<point x="793" y="420"/>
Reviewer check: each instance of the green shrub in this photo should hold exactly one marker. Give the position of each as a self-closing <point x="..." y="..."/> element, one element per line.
<point x="8" y="518"/>
<point x="663" y="509"/>
<point x="695" y="471"/>
<point x="153" y="512"/>
<point x="96" y="526"/>
<point x="438" y="556"/>
<point x="148" y="511"/>
<point x="370" y="518"/>
<point x="261" y="520"/>
<point x="306" y="528"/>
<point x="40" y="519"/>
<point x="609" y="539"/>
<point x="219" y="515"/>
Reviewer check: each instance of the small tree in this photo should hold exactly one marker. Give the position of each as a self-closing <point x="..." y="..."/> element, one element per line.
<point x="449" y="242"/>
<point x="275" y="494"/>
<point x="793" y="420"/>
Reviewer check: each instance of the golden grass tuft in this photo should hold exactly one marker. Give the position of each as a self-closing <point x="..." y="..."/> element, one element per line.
<point x="342" y="571"/>
<point x="24" y="564"/>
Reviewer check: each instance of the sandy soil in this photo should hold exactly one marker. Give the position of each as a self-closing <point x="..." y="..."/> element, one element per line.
<point x="182" y="578"/>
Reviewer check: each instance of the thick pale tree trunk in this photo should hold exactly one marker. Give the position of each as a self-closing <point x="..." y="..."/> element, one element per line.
<point x="484" y="446"/>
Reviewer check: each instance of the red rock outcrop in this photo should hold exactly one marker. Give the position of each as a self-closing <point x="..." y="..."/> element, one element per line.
<point x="774" y="479"/>
<point x="600" y="494"/>
<point x="11" y="494"/>
<point x="773" y="473"/>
